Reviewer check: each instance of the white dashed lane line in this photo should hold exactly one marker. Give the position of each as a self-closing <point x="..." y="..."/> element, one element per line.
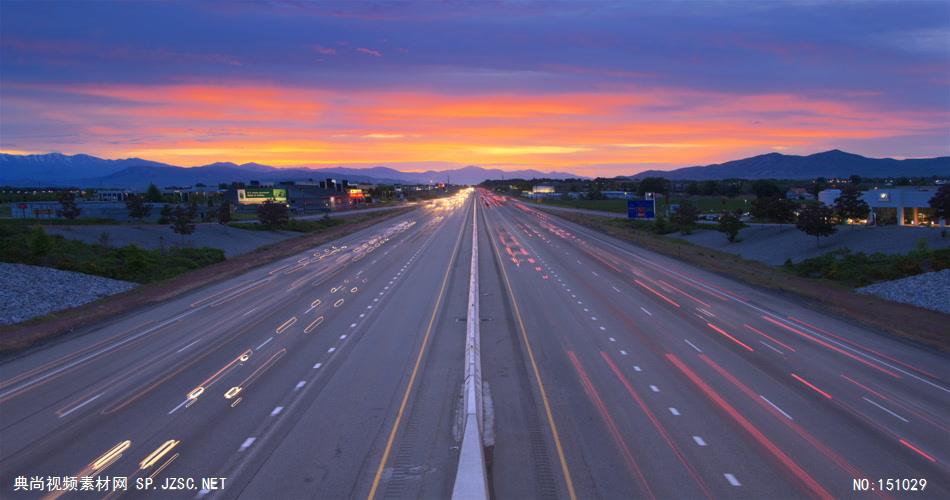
<point x="637" y="368"/>
<point x="766" y="344"/>
<point x="276" y="411"/>
<point x="902" y="419"/>
<point x="300" y="384"/>
<point x="648" y="312"/>
<point x="773" y="405"/>
<point x="674" y="411"/>
<point x="264" y="343"/>
<point x="692" y="345"/>
<point x="699" y="441"/>
<point x="247" y="443"/>
<point x="615" y="289"/>
<point x="732" y="480"/>
<point x="654" y="388"/>
<point x="317" y="365"/>
<point x="623" y="353"/>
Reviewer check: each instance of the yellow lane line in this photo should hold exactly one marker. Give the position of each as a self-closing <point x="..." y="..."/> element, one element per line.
<point x="415" y="369"/>
<point x="537" y="375"/>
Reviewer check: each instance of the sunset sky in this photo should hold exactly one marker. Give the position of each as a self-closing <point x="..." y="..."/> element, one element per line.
<point x="593" y="88"/>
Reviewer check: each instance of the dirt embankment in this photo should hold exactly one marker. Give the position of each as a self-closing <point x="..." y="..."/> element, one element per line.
<point x="906" y="321"/>
<point x="69" y="320"/>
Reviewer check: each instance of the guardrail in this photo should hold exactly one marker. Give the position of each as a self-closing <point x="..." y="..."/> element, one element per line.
<point x="471" y="479"/>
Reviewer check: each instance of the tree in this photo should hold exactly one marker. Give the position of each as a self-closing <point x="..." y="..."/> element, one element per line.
<point x="653" y="185"/>
<point x="766" y="189"/>
<point x="940" y="203"/>
<point x="595" y="193"/>
<point x="685" y="217"/>
<point x="730" y="224"/>
<point x="224" y="213"/>
<point x="817" y="221"/>
<point x="182" y="221"/>
<point x="782" y="210"/>
<point x="272" y="215"/>
<point x="165" y="216"/>
<point x="138" y="209"/>
<point x="69" y="210"/>
<point x="153" y="194"/>
<point x="850" y="205"/>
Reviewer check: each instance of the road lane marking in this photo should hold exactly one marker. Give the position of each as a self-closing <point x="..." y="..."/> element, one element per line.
<point x="300" y="384"/>
<point x="415" y="369"/>
<point x="637" y="368"/>
<point x="276" y="411"/>
<point x="189" y="345"/>
<point x="247" y="443"/>
<point x="885" y="409"/>
<point x="674" y="411"/>
<point x="318" y="365"/>
<point x="179" y="406"/>
<point x="699" y="441"/>
<point x="331" y="349"/>
<point x="766" y="344"/>
<point x="732" y="480"/>
<point x="624" y="353"/>
<point x="773" y="405"/>
<point x="654" y="388"/>
<point x="692" y="345"/>
<point x="645" y="310"/>
<point x="565" y="470"/>
<point x="615" y="289"/>
<point x="80" y="405"/>
<point x="265" y="342"/>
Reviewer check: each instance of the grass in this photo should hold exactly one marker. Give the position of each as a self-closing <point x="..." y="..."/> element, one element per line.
<point x="909" y="322"/>
<point x="296" y="225"/>
<point x="861" y="269"/>
<point x="706" y="204"/>
<point x="64" y="222"/>
<point x="25" y="244"/>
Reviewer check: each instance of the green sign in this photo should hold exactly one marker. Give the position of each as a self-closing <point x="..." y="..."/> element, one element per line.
<point x="259" y="195"/>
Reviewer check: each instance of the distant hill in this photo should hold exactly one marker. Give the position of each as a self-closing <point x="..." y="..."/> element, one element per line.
<point x="56" y="169"/>
<point x="834" y="163"/>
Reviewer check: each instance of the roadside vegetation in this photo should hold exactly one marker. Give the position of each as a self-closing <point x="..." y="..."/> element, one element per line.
<point x="859" y="269"/>
<point x="29" y="244"/>
<point x="275" y="216"/>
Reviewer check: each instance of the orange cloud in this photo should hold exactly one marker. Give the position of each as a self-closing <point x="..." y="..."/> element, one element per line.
<point x="193" y="124"/>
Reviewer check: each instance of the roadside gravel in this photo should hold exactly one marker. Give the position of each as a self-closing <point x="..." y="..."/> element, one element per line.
<point x="928" y="290"/>
<point x="30" y="291"/>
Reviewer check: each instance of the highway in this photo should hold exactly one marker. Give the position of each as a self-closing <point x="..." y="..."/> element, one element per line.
<point x="609" y="372"/>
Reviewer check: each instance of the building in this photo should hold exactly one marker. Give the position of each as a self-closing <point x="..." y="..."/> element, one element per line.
<point x="112" y="194"/>
<point x="541" y="191"/>
<point x="905" y="206"/>
<point x="618" y="195"/>
<point x="799" y="193"/>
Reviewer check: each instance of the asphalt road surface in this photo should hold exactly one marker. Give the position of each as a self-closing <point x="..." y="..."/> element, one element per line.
<point x="609" y="372"/>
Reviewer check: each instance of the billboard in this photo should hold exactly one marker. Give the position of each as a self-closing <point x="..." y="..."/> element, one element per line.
<point x="256" y="196"/>
<point x="641" y="209"/>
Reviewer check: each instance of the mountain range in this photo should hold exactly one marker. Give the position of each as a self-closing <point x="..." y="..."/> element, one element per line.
<point x="834" y="163"/>
<point x="55" y="169"/>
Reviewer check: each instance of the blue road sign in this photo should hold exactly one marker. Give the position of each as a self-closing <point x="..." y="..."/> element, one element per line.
<point x="641" y="209"/>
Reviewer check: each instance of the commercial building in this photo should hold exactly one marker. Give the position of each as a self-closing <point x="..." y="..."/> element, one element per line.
<point x="541" y="191"/>
<point x="905" y="206"/>
<point x="619" y="195"/>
